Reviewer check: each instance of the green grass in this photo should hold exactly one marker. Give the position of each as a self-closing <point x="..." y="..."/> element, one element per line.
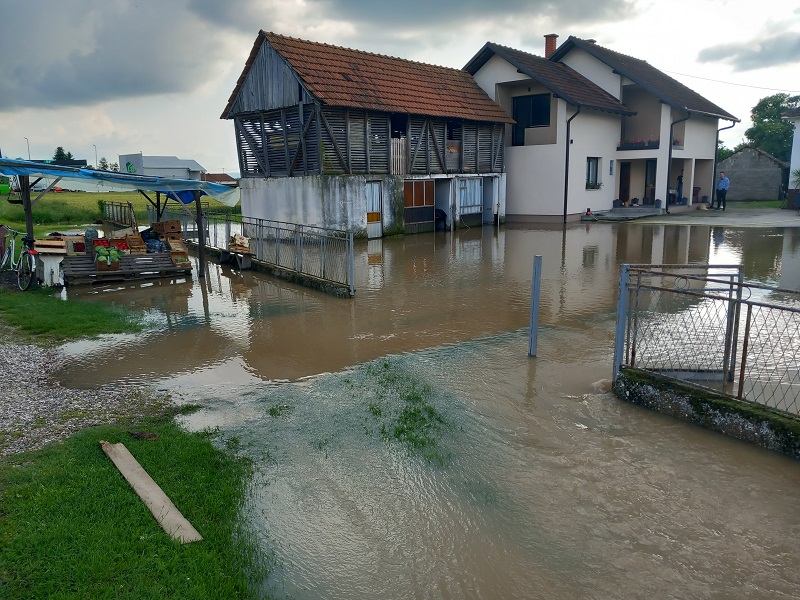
<point x="81" y="208"/>
<point x="403" y="408"/>
<point x="38" y="313"/>
<point x="756" y="204"/>
<point x="72" y="527"/>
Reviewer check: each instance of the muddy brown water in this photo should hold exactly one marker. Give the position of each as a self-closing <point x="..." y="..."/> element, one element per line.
<point x="548" y="486"/>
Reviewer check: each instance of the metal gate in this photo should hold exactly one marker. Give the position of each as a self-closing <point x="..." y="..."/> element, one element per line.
<point x="470" y="196"/>
<point x="374" y="221"/>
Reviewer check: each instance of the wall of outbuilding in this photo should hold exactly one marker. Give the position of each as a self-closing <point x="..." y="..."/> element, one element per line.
<point x="753" y="175"/>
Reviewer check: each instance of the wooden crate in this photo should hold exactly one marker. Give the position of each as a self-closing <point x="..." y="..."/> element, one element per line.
<point x="236" y="249"/>
<point x="178" y="246"/>
<point x="102" y="265"/>
<point x="51" y="246"/>
<point x="181" y="259"/>
<point x="75" y="244"/>
<point x="167" y="227"/>
<point x="136" y="244"/>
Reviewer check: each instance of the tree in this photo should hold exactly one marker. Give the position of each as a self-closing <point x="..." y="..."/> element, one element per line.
<point x="103" y="164"/>
<point x="770" y="132"/>
<point x="60" y="154"/>
<point x="723" y="152"/>
<point x="113" y="167"/>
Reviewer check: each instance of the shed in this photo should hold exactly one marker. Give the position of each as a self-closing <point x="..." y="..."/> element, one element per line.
<point x="755" y="175"/>
<point x="160" y="166"/>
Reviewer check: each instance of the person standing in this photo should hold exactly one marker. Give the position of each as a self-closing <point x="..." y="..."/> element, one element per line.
<point x="722" y="190"/>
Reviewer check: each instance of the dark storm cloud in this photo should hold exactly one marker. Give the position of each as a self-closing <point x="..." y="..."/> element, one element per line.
<point x="80" y="53"/>
<point x="775" y="51"/>
<point x="439" y="15"/>
<point x="77" y="53"/>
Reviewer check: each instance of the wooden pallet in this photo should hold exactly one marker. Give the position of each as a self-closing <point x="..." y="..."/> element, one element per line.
<point x="80" y="270"/>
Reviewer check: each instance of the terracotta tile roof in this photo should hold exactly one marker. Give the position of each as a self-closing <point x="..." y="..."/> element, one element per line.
<point x="356" y="79"/>
<point x="560" y="79"/>
<point x="660" y="84"/>
<point x="223" y="178"/>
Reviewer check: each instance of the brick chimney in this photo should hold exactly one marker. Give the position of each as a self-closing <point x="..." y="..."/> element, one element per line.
<point x="550" y="44"/>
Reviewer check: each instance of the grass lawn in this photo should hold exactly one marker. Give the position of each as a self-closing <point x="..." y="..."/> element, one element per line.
<point x="72" y="527"/>
<point x="81" y="208"/>
<point x="37" y="314"/>
<point x="756" y="204"/>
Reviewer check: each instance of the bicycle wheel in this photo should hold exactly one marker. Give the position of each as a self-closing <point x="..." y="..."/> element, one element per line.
<point x="26" y="270"/>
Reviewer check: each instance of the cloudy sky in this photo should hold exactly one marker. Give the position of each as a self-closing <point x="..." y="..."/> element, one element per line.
<point x="127" y="76"/>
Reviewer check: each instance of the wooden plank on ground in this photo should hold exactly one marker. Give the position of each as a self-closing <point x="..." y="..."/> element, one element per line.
<point x="162" y="508"/>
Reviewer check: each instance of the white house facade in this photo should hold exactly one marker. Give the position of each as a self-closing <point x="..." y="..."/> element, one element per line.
<point x="595" y="129"/>
<point x="793" y="116"/>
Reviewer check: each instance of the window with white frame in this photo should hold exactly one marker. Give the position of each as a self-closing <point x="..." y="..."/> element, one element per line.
<point x="593" y="173"/>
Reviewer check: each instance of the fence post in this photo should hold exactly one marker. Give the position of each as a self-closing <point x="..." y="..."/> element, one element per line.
<point x="322" y="255"/>
<point x="298" y="260"/>
<point x="622" y="311"/>
<point x="536" y="288"/>
<point x="227" y="231"/>
<point x="352" y="263"/>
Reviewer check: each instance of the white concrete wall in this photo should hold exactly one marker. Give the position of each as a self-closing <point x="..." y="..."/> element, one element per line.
<point x="794" y="161"/>
<point x="595" y="71"/>
<point x="536" y="173"/>
<point x="496" y="71"/>
<point x="593" y="134"/>
<point x="325" y="201"/>
<point x="699" y="139"/>
<point x="340" y="201"/>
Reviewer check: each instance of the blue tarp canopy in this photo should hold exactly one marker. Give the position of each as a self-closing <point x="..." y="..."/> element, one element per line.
<point x="90" y="180"/>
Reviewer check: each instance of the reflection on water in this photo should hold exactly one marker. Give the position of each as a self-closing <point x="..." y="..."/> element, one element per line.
<point x="551" y="489"/>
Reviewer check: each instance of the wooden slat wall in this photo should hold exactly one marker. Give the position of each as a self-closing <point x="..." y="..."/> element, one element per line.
<point x="378" y="140"/>
<point x="469" y="147"/>
<point x="270" y="84"/>
<point x="279" y="143"/>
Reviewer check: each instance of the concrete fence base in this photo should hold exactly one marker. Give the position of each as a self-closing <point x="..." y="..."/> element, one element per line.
<point x="746" y="421"/>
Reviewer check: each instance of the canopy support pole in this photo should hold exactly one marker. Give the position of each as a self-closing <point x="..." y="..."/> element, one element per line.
<point x="201" y="237"/>
<point x="25" y="190"/>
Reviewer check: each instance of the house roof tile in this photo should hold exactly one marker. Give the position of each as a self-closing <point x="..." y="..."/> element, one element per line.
<point x="559" y="78"/>
<point x="344" y="77"/>
<point x="642" y="73"/>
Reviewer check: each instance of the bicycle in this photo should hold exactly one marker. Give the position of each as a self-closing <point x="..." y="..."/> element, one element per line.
<point x="25" y="265"/>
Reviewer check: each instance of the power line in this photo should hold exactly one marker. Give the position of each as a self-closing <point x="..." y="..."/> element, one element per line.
<point x="757" y="87"/>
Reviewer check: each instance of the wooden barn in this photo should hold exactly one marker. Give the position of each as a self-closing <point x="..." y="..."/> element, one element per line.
<point x="343" y="138"/>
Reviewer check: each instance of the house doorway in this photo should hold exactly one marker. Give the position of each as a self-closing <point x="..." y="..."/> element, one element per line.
<point x="374" y="221"/>
<point x="624" y="182"/>
<point x="650" y="181"/>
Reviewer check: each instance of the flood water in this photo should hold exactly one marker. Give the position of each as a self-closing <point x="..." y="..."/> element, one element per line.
<point x="539" y="484"/>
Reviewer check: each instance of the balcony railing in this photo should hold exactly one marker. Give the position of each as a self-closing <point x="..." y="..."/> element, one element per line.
<point x="639" y="145"/>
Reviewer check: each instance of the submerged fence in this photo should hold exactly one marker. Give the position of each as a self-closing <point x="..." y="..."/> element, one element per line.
<point x="119" y="213"/>
<point x="703" y="324"/>
<point x="318" y="252"/>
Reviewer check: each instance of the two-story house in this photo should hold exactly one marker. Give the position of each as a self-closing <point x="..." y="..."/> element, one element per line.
<point x="594" y="127"/>
<point x="343" y="138"/>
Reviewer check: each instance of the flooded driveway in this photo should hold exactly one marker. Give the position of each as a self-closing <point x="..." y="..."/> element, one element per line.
<point x="532" y="481"/>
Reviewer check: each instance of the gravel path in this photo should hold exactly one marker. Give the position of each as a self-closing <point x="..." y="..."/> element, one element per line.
<point x="36" y="410"/>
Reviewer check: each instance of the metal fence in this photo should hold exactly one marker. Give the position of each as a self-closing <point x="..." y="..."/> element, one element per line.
<point x="119" y="213"/>
<point x="704" y="324"/>
<point x="319" y="252"/>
